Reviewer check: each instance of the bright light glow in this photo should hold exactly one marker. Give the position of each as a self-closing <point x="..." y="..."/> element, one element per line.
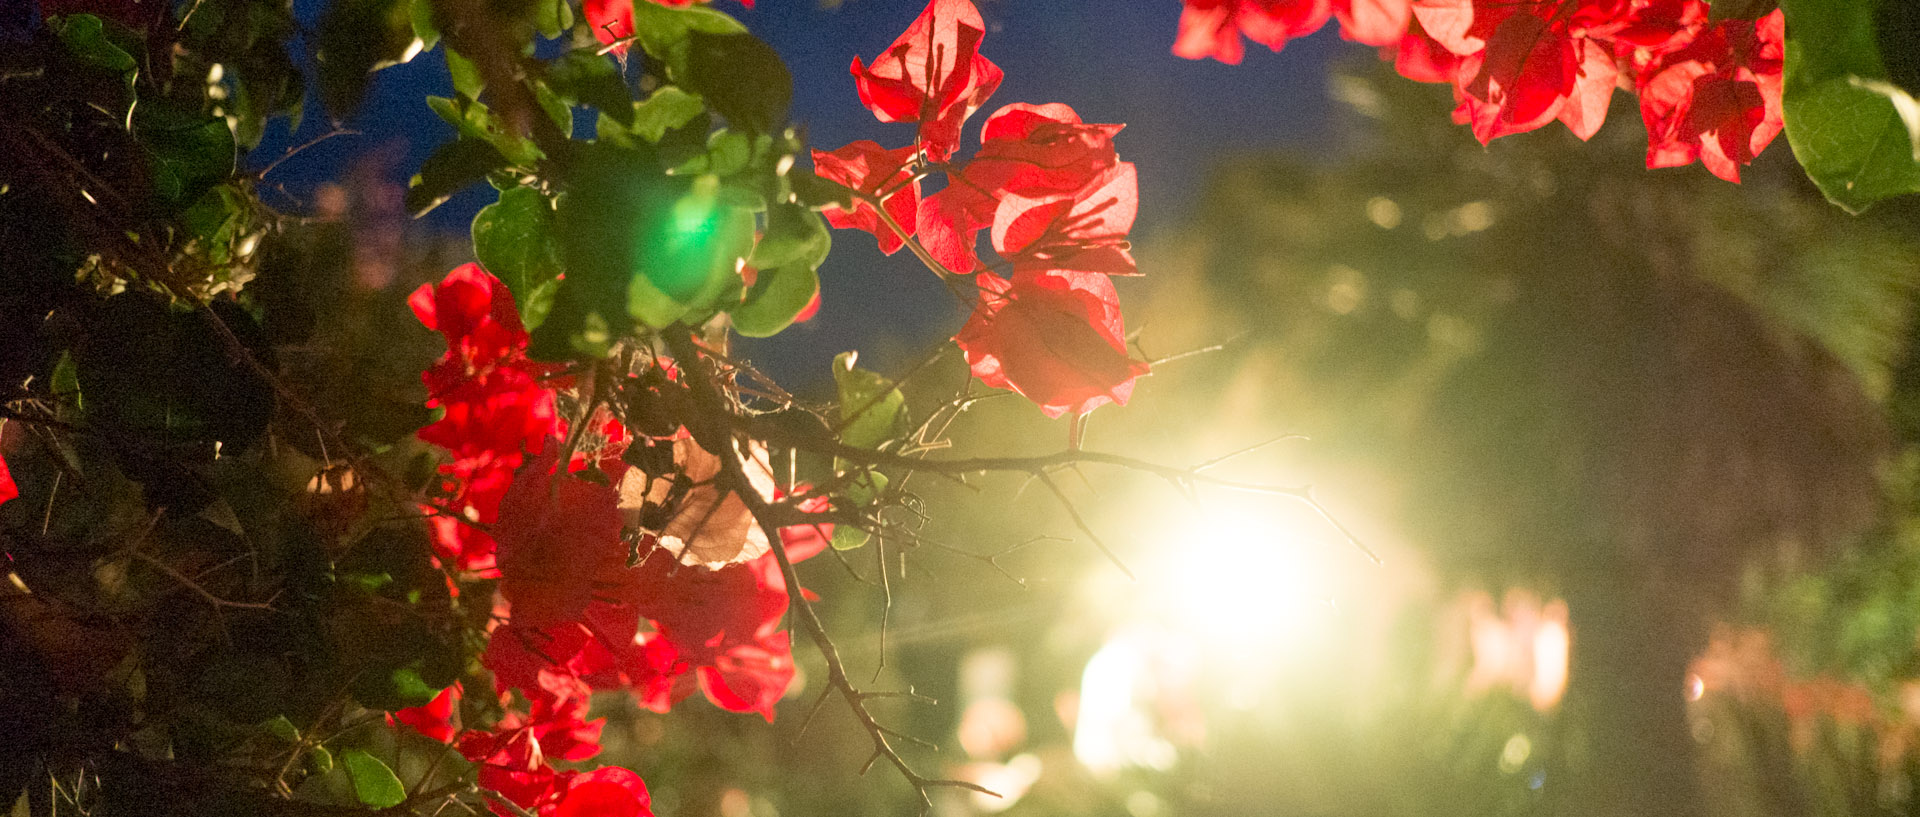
<point x="1112" y="730"/>
<point x="1241" y="601"/>
<point x="1249" y="582"/>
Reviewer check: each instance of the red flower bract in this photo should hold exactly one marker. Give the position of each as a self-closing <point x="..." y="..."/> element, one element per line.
<point x="436" y="718"/>
<point x="1085" y="231"/>
<point x="723" y="624"/>
<point x="8" y="490"/>
<point x="869" y="168"/>
<point x="1717" y="100"/>
<point x="559" y="543"/>
<point x="1212" y="28"/>
<point x="1055" y="337"/>
<point x="1025" y="150"/>
<point x="1519" y="81"/>
<point x="933" y="74"/>
<point x="608" y="792"/>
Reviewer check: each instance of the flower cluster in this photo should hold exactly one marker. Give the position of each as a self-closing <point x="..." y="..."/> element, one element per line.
<point x="1050" y="190"/>
<point x="604" y="583"/>
<point x="1709" y="90"/>
<point x="495" y="406"/>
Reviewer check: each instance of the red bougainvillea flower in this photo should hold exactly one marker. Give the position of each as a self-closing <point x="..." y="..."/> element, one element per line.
<point x="933" y="75"/>
<point x="611" y="21"/>
<point x="1055" y="337"/>
<point x="1421" y="58"/>
<point x="1374" y="22"/>
<point x="1212" y="28"/>
<point x="1085" y="231"/>
<point x="495" y="405"/>
<point x="1718" y="99"/>
<point x="716" y="630"/>
<point x="869" y="168"/>
<point x="559" y="543"/>
<point x="1518" y="66"/>
<point x="511" y="765"/>
<point x="513" y="757"/>
<point x="1709" y="91"/>
<point x="557" y="718"/>
<point x="1025" y="150"/>
<point x="704" y="619"/>
<point x="719" y="629"/>
<point x="606" y="792"/>
<point x="437" y="719"/>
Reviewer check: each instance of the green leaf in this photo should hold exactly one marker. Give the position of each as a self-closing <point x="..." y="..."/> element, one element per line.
<point x="556" y="108"/>
<point x="452" y="168"/>
<point x="66" y="380"/>
<point x="474" y="120"/>
<point x="358" y="37"/>
<point x="374" y="784"/>
<point x="728" y="152"/>
<point x="794" y="235"/>
<point x="777" y="296"/>
<point x="538" y="303"/>
<point x="666" y="33"/>
<point x="552" y="18"/>
<point x="638" y="245"/>
<point x="513" y="239"/>
<point x="85" y="36"/>
<point x="669" y="108"/>
<point x="279" y="727"/>
<point x="1903" y="104"/>
<point x="592" y="80"/>
<point x="319" y="760"/>
<point x="217" y="219"/>
<point x="872" y="409"/>
<point x="741" y="77"/>
<point x="448" y="110"/>
<point x="1850" y="139"/>
<point x="466" y="77"/>
<point x="861" y="491"/>
<point x="688" y="259"/>
<point x="187" y="153"/>
<point x="426" y="29"/>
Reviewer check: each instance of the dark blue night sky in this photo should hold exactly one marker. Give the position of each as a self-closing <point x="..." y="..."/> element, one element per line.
<point x="1109" y="59"/>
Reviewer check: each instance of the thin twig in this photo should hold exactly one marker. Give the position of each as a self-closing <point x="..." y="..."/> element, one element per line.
<point x="710" y="427"/>
<point x="1247" y="450"/>
<point x="295" y="150"/>
<point x="195" y="586"/>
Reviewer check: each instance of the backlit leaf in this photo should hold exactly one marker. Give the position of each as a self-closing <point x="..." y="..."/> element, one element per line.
<point x="513" y="239"/>
<point x="872" y="409"/>
<point x="1850" y="139"/>
<point x="374" y="784"/>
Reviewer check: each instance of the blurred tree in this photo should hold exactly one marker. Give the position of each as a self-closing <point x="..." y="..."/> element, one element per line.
<point x="1622" y="386"/>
